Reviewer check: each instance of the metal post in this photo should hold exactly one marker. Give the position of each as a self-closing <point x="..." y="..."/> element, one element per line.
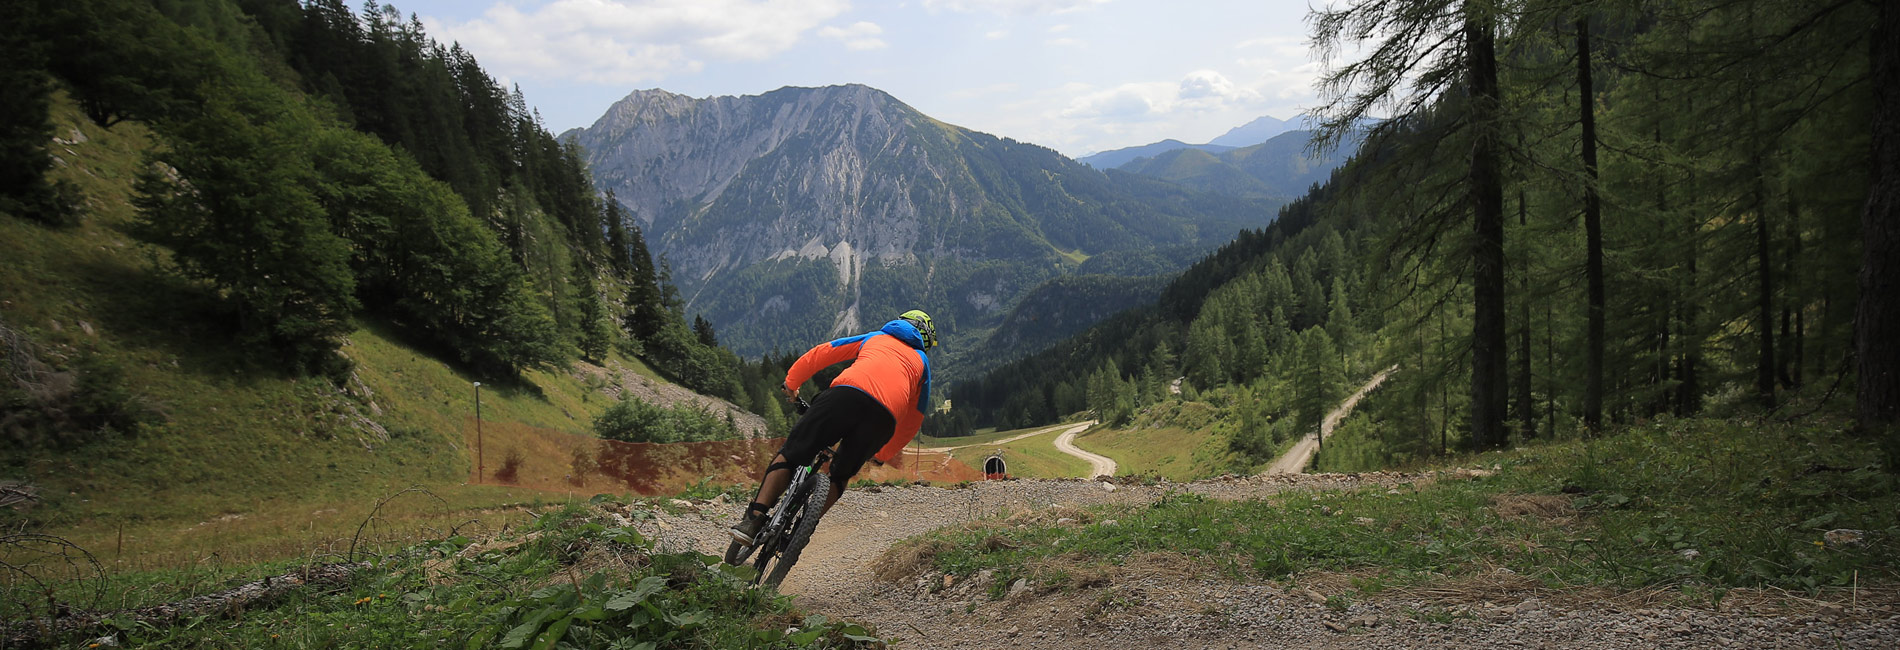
<point x="478" y="432"/>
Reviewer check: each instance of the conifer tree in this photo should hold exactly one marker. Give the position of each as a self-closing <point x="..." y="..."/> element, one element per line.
<point x="1426" y="50"/>
<point x="1877" y="319"/>
<point x="248" y="224"/>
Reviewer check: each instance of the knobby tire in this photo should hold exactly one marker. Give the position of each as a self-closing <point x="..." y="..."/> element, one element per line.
<point x="801" y="535"/>
<point x="790" y="507"/>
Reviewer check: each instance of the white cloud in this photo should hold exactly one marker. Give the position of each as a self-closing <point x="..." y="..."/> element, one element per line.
<point x="1127" y="101"/>
<point x="1014" y="7"/>
<point x="1199" y="91"/>
<point x="1065" y="42"/>
<point x="996" y="34"/>
<point x="1207" y="89"/>
<point x="629" y="41"/>
<point x="860" y="35"/>
<point x="1057" y="29"/>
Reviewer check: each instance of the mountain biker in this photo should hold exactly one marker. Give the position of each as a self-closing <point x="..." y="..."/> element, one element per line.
<point x="875" y="405"/>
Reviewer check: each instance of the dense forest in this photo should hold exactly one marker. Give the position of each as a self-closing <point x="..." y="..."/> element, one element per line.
<point x="319" y="166"/>
<point x="1576" y="214"/>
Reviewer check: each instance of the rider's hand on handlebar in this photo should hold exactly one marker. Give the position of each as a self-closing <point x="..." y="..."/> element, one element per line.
<point x="791" y="394"/>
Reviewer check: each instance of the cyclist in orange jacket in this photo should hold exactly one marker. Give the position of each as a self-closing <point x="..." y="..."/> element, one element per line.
<point x="876" y="405"/>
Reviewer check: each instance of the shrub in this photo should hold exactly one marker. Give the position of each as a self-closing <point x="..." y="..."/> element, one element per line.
<point x="632" y="420"/>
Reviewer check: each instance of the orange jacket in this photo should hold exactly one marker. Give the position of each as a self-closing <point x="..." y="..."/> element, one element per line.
<point x="890" y="366"/>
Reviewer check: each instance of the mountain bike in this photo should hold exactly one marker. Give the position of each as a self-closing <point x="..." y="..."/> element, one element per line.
<point x="789" y="527"/>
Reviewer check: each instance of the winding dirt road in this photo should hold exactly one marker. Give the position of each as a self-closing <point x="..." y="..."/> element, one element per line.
<point x="1099" y="465"/>
<point x="1295" y="460"/>
<point x="1159" y="599"/>
<point x="1010" y="439"/>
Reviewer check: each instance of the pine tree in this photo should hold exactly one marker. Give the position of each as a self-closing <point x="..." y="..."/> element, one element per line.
<point x="1877" y="319"/>
<point x="1426" y="51"/>
<point x="24" y="159"/>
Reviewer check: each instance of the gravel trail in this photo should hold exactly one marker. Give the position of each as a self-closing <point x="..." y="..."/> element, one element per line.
<point x="1010" y="439"/>
<point x="1163" y="599"/>
<point x="1099" y="465"/>
<point x="1295" y="459"/>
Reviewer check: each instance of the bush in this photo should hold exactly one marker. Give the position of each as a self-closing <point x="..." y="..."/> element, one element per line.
<point x="632" y="420"/>
<point x="47" y="407"/>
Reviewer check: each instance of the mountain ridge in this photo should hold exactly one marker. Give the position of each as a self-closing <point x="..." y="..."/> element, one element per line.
<point x="1283" y="167"/>
<point x="802" y="213"/>
<point x="1260" y="129"/>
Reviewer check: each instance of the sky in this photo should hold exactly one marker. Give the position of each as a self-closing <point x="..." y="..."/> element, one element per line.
<point x="1078" y="76"/>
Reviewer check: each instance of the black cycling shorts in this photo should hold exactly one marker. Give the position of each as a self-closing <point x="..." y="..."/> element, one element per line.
<point x="840" y="413"/>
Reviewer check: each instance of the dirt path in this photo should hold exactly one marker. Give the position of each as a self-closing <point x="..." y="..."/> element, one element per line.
<point x="1295" y="460"/>
<point x="1163" y="600"/>
<point x="1010" y="439"/>
<point x="1160" y="599"/>
<point x="1099" y="465"/>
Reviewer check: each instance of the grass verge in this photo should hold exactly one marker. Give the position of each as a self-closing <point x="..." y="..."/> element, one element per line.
<point x="1032" y="457"/>
<point x="1698" y="506"/>
<point x="572" y="578"/>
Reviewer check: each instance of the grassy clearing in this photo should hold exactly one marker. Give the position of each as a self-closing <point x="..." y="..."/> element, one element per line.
<point x="1701" y="506"/>
<point x="570" y="578"/>
<point x="1175" y="439"/>
<point x="238" y="462"/>
<point x="981" y="437"/>
<point x="1032" y="457"/>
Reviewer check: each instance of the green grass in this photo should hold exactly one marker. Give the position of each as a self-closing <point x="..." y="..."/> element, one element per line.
<point x="1076" y="257"/>
<point x="569" y="577"/>
<point x="1032" y="457"/>
<point x="239" y="461"/>
<point x="981" y="437"/>
<point x="1174" y="439"/>
<point x="1699" y="505"/>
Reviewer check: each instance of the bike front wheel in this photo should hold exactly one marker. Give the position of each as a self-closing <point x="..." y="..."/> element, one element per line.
<point x="736" y="553"/>
<point x="802" y="531"/>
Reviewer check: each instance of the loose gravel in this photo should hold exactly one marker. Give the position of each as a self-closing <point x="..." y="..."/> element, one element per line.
<point x="1167" y="600"/>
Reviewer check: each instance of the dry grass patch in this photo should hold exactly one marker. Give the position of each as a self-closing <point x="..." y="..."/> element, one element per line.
<point x="1497" y="586"/>
<point x="908" y="558"/>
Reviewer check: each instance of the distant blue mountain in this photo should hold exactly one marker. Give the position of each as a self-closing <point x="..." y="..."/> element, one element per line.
<point x="1246" y="135"/>
<point x="1258" y="131"/>
<point x="1281" y="168"/>
<point x="1118" y="157"/>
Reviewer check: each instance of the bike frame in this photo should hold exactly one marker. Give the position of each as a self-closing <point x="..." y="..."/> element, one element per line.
<point x="790" y="505"/>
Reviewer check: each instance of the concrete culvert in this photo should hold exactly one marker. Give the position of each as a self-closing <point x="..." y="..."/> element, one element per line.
<point x="995" y="468"/>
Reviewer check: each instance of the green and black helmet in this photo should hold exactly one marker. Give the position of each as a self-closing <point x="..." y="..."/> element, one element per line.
<point x="921" y="321"/>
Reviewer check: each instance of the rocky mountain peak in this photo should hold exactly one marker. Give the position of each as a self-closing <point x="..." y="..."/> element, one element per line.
<point x="786" y="215"/>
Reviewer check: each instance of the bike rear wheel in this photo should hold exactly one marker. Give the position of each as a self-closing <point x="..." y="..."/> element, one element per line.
<point x="801" y="532"/>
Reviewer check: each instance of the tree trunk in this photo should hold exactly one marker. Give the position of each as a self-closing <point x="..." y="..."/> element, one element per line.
<point x="1764" y="300"/>
<point x="1527" y="420"/>
<point x="1689" y="392"/>
<point x="1877" y="316"/>
<point x="1488" y="362"/>
<point x="1797" y="307"/>
<point x="1593" y="238"/>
